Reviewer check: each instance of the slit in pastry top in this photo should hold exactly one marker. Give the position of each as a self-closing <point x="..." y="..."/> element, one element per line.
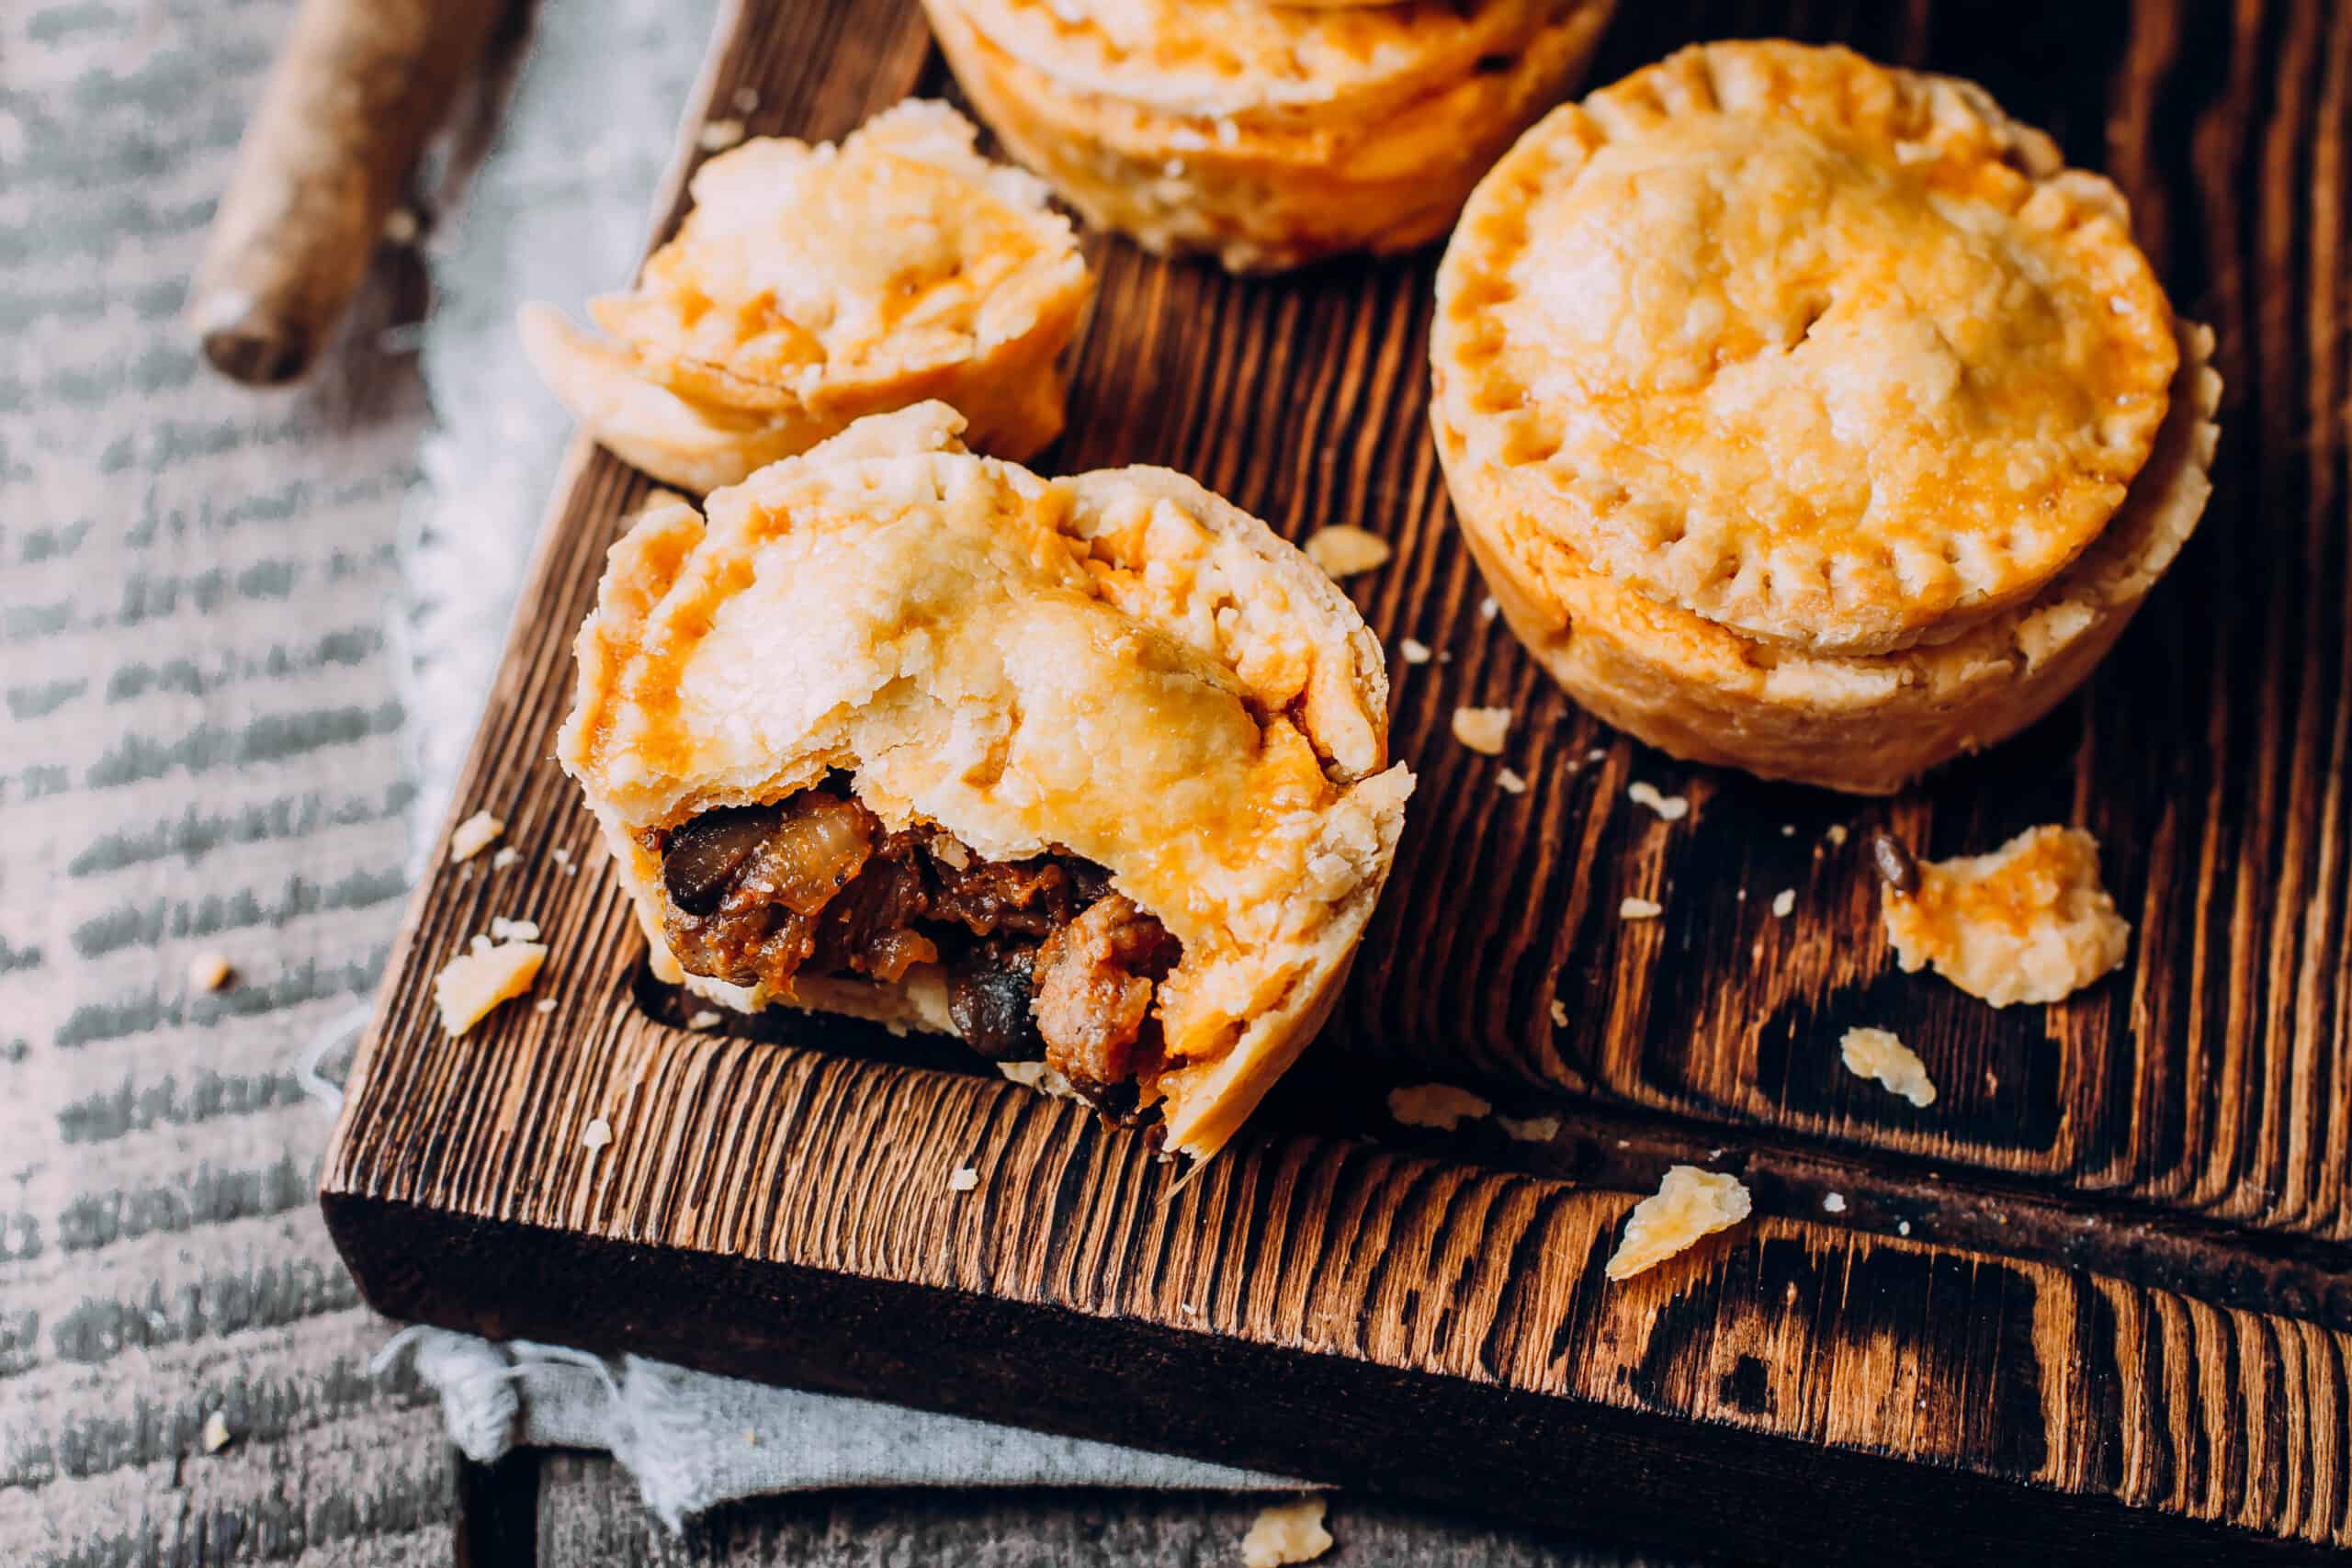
<point x="1117" y="669"/>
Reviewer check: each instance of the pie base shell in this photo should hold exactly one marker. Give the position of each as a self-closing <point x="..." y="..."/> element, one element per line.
<point x="1266" y="193"/>
<point x="1867" y="723"/>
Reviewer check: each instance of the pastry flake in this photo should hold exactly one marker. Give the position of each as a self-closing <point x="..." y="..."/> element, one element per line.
<point x="1783" y="503"/>
<point x="472" y="985"/>
<point x="2028" y="922"/>
<point x="1877" y="1054"/>
<point x="812" y="285"/>
<point x="1093" y="770"/>
<point x="1286" y="1533"/>
<point x="1268" y="135"/>
<point x="1690" y="1204"/>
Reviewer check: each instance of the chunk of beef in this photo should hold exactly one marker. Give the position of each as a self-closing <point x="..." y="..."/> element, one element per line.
<point x="1095" y="977"/>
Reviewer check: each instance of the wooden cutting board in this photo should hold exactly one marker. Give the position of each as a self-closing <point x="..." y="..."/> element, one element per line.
<point x="2097" y="1300"/>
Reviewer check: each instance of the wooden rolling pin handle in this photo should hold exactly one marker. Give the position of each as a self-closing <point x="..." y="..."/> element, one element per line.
<point x="357" y="87"/>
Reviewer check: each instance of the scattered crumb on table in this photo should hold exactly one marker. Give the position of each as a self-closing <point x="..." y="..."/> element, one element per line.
<point x="1530" y="1129"/>
<point x="1689" y="1204"/>
<point x="1877" y="1054"/>
<point x="503" y="930"/>
<point x="1631" y="909"/>
<point x="216" y="1435"/>
<point x="507" y="855"/>
<point x="1559" y="1012"/>
<point x="209" y="971"/>
<point x="1670" y="807"/>
<point x="1413" y="650"/>
<point x="1285" y="1533"/>
<point x="1833" y="1202"/>
<point x="1343" y="549"/>
<point x="1509" y="782"/>
<point x="1438" y="1105"/>
<point x="1784" y="902"/>
<point x="1482" y="729"/>
<point x="2027" y="922"/>
<point x="473" y="835"/>
<point x="473" y="983"/>
<point x="709" y="1017"/>
<point x="718" y="135"/>
<point x="597" y="1134"/>
<point x="963" y="1178"/>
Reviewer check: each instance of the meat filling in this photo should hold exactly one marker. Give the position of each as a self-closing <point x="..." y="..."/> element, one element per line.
<point x="1042" y="958"/>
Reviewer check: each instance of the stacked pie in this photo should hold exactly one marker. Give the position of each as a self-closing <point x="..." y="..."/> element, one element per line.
<point x="1088" y="771"/>
<point x="813" y="284"/>
<point x="1811" y="416"/>
<point x="1266" y="134"/>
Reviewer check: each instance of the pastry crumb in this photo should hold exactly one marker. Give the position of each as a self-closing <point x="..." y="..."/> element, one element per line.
<point x="503" y="930"/>
<point x="472" y="836"/>
<point x="562" y="857"/>
<point x="1877" y="1054"/>
<point x="1413" y="650"/>
<point x="1285" y="1533"/>
<point x="597" y="1134"/>
<point x="1437" y="1105"/>
<point x="1039" y="1077"/>
<point x="216" y="1435"/>
<point x="471" y="984"/>
<point x="544" y="1004"/>
<point x="1788" y="830"/>
<point x="1530" y="1129"/>
<point x="1489" y="609"/>
<point x="718" y="135"/>
<point x="745" y="100"/>
<point x="1784" y="902"/>
<point x="209" y="971"/>
<point x="963" y="1178"/>
<point x="709" y="1017"/>
<point x="1903" y="1227"/>
<point x="1509" y="782"/>
<point x="1632" y="909"/>
<point x="1343" y="549"/>
<point x="507" y="855"/>
<point x="1670" y="807"/>
<point x="401" y="226"/>
<point x="2027" y="922"/>
<point x="1482" y="729"/>
<point x="1689" y="1204"/>
<point x="1833" y="1202"/>
<point x="1559" y="1012"/>
<point x="1837" y="834"/>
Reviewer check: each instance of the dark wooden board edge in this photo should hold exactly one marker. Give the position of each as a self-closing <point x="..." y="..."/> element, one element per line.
<point x="1592" y="1471"/>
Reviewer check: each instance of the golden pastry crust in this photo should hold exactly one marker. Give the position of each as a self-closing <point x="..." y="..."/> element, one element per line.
<point x="1836" y="355"/>
<point x="1270" y="136"/>
<point x="1864" y="723"/>
<point x="812" y="285"/>
<point x="2029" y="922"/>
<point x="1118" y="666"/>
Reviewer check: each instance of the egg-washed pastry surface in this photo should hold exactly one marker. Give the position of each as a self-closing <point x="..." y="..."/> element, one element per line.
<point x="1268" y="135"/>
<point x="1809" y="415"/>
<point x="810" y="285"/>
<point x="1091" y="770"/>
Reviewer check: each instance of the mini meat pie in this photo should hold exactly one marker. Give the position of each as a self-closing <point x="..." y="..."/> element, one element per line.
<point x="1093" y="770"/>
<point x="1811" y="416"/>
<point x="1266" y="134"/>
<point x="812" y="285"/>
